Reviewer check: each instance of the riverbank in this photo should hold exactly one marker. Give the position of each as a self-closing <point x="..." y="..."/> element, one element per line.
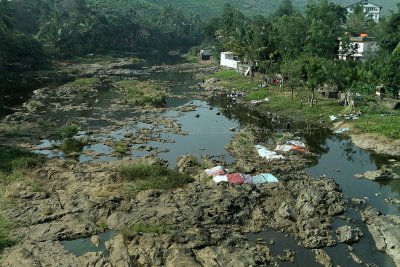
<point x="370" y="123"/>
<point x="82" y="194"/>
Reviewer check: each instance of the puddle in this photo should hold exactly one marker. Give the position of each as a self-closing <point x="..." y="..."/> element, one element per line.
<point x="81" y="246"/>
<point x="281" y="242"/>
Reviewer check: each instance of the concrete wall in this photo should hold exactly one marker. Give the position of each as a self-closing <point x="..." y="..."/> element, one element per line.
<point x="228" y="59"/>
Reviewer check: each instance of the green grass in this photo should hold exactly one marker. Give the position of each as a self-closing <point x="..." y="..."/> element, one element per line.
<point x="144" y="176"/>
<point x="120" y="148"/>
<point x="231" y="80"/>
<point x="258" y="94"/>
<point x="5" y="237"/>
<point x="70" y="145"/>
<point x="16" y="159"/>
<point x="83" y="85"/>
<point x="67" y="131"/>
<point x="143" y="93"/>
<point x="85" y="82"/>
<point x="14" y="162"/>
<point x="386" y="125"/>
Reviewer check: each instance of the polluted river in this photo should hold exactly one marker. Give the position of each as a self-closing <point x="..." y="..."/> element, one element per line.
<point x="192" y="123"/>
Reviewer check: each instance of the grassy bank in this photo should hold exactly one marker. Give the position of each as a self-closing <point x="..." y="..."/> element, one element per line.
<point x="15" y="166"/>
<point x="143" y="93"/>
<point x="142" y="176"/>
<point x="375" y="119"/>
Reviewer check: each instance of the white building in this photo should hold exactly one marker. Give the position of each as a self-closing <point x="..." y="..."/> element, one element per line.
<point x="371" y="11"/>
<point x="358" y="48"/>
<point x="228" y="59"/>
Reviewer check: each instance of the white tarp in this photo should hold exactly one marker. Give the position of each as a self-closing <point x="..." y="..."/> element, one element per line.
<point x="268" y="154"/>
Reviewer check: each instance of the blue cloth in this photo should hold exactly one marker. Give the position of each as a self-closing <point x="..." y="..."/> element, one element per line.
<point x="339" y="131"/>
<point x="264" y="178"/>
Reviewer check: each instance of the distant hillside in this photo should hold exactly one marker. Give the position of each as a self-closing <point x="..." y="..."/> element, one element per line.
<point x="212" y="8"/>
<point x="209" y="8"/>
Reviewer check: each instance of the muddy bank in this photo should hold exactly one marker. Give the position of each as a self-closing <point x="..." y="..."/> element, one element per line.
<point x="374" y="142"/>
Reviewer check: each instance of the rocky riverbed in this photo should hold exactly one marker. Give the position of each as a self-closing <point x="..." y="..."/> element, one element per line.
<point x="200" y="224"/>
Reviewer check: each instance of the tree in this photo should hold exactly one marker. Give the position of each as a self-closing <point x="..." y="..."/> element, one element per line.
<point x="312" y="72"/>
<point x="392" y="74"/>
<point x="355" y="23"/>
<point x="6" y="15"/>
<point x="389" y="31"/>
<point x="288" y="35"/>
<point x="285" y="8"/>
<point x="324" y="20"/>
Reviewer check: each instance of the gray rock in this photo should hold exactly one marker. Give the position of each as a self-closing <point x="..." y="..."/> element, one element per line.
<point x="347" y="234"/>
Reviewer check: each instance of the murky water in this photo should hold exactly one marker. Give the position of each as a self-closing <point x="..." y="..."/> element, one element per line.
<point x="81" y="246"/>
<point x="278" y="243"/>
<point x="342" y="160"/>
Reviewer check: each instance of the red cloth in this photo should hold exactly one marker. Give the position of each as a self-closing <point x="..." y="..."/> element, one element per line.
<point x="235" y="178"/>
<point x="298" y="148"/>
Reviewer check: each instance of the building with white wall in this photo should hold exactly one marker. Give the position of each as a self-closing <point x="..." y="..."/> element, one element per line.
<point x="357" y="48"/>
<point x="228" y="59"/>
<point x="372" y="11"/>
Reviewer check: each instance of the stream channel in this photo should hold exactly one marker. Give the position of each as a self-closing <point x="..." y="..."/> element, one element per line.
<point x="208" y="127"/>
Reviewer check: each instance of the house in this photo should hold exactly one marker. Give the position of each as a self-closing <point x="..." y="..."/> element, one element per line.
<point x="228" y="59"/>
<point x="358" y="47"/>
<point x="205" y="54"/>
<point x="371" y="11"/>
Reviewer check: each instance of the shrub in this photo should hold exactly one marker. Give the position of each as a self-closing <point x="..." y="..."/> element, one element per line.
<point x="70" y="145"/>
<point x="68" y="131"/>
<point x="12" y="158"/>
<point x="145" y="176"/>
<point x="120" y="148"/>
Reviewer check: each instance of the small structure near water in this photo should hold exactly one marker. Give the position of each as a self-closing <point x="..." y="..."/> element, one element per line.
<point x="329" y="91"/>
<point x="205" y="54"/>
<point x="230" y="60"/>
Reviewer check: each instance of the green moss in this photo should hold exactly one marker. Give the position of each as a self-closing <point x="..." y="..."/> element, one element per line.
<point x="143" y="176"/>
<point x="143" y="93"/>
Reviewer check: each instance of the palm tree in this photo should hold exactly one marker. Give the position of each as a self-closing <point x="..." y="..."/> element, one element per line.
<point x="6" y="16"/>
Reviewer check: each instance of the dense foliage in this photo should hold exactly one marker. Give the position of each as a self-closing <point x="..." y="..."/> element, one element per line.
<point x="34" y="30"/>
<point x="304" y="47"/>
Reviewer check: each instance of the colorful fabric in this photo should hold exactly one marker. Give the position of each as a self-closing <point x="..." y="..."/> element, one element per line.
<point x="217" y="170"/>
<point x="235" y="178"/>
<point x="264" y="178"/>
<point x="265" y="153"/>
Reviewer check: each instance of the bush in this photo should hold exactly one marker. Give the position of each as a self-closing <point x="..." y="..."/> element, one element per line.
<point x="120" y="148"/>
<point x="68" y="131"/>
<point x="71" y="145"/>
<point x="15" y="159"/>
<point x="146" y="176"/>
